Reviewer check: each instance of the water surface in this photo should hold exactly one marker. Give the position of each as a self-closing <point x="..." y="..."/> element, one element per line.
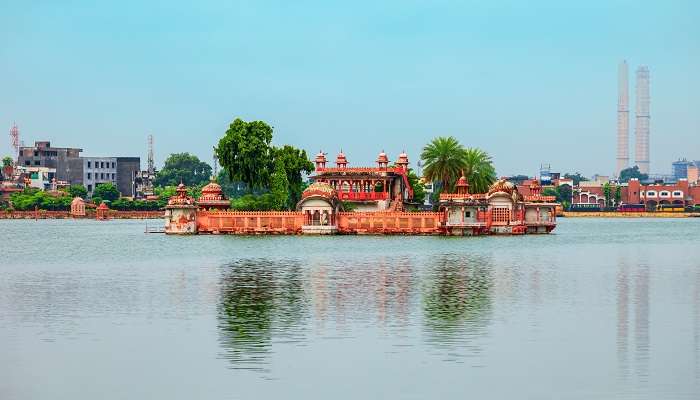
<point x="603" y="308"/>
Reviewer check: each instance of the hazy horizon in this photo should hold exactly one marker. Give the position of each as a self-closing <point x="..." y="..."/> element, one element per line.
<point x="528" y="83"/>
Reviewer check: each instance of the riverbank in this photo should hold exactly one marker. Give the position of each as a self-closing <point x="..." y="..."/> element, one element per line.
<point x="90" y="214"/>
<point x="614" y="214"/>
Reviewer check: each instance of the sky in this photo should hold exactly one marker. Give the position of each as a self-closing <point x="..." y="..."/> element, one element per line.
<point x="530" y="82"/>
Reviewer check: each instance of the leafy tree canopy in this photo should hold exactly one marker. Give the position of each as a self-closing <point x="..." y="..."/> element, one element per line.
<point x="185" y="168"/>
<point x="245" y="152"/>
<point x="294" y="162"/>
<point x="279" y="187"/>
<point x="446" y="159"/>
<point x="6" y="161"/>
<point x="632" y="172"/>
<point x="106" y="191"/>
<point x="77" y="191"/>
<point x="577" y="178"/>
<point x="30" y="199"/>
<point x="418" y="187"/>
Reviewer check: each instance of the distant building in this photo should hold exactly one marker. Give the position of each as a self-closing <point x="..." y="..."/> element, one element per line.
<point x="65" y="161"/>
<point x="97" y="170"/>
<point x="694" y="173"/>
<point x="680" y="168"/>
<point x="66" y="165"/>
<point x="642" y="120"/>
<point x="128" y="169"/>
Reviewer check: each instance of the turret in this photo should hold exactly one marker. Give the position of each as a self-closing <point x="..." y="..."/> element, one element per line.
<point x="320" y="161"/>
<point x="341" y="161"/>
<point x="382" y="160"/>
<point x="402" y="162"/>
<point x="462" y="186"/>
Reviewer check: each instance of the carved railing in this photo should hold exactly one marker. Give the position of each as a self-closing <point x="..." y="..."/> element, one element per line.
<point x="363" y="196"/>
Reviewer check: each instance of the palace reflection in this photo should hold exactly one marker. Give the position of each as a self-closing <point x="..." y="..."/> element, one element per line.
<point x="457" y="299"/>
<point x="259" y="299"/>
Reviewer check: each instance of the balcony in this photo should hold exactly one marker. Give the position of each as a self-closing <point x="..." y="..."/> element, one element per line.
<point x="363" y="196"/>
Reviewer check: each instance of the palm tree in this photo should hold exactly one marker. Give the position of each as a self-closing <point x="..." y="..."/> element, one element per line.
<point x="444" y="159"/>
<point x="479" y="170"/>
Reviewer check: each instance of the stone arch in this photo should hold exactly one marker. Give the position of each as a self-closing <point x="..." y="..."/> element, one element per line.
<point x="584" y="198"/>
<point x="651" y="205"/>
<point x="678" y="202"/>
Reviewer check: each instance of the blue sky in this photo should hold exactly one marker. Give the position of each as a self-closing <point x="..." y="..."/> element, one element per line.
<point x="529" y="82"/>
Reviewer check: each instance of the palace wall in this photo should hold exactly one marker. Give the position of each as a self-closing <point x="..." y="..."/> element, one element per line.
<point x="250" y="222"/>
<point x="427" y="223"/>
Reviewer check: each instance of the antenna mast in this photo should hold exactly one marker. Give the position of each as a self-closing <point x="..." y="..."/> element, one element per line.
<point x="216" y="164"/>
<point x="151" y="162"/>
<point x="14" y="139"/>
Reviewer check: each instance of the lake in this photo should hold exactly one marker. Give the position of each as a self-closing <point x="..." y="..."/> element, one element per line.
<point x="601" y="308"/>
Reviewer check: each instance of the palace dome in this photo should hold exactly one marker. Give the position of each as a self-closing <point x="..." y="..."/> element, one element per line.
<point x="213" y="197"/>
<point x="382" y="158"/>
<point x="321" y="189"/>
<point x="320" y="157"/>
<point x="403" y="158"/>
<point x="503" y="186"/>
<point x="212" y="189"/>
<point x="76" y="201"/>
<point x="535" y="184"/>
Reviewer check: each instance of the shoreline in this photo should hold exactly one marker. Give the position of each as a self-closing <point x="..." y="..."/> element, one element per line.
<point x="613" y="214"/>
<point x="90" y="214"/>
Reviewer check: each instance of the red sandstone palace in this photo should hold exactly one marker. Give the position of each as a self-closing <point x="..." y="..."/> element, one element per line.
<point x="378" y="196"/>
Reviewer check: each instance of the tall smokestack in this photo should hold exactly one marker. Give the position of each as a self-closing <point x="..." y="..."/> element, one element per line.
<point x="623" y="122"/>
<point x="641" y="130"/>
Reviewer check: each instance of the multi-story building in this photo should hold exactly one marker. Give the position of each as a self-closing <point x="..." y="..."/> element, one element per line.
<point x="680" y="168"/>
<point x="128" y="169"/>
<point x="70" y="168"/>
<point x="65" y="160"/>
<point x="97" y="170"/>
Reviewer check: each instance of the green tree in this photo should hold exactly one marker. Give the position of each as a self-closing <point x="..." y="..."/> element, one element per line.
<point x="279" y="187"/>
<point x="185" y="168"/>
<point x="77" y="191"/>
<point x="618" y="195"/>
<point x="479" y="170"/>
<point x="444" y="159"/>
<point x="295" y="162"/>
<point x="607" y="193"/>
<point x="245" y="152"/>
<point x="564" y="195"/>
<point x="418" y="187"/>
<point x="106" y="191"/>
<point x="632" y="172"/>
<point x="577" y="178"/>
<point x="7" y="161"/>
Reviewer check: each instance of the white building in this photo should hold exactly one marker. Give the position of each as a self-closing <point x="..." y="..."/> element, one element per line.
<point x="98" y="170"/>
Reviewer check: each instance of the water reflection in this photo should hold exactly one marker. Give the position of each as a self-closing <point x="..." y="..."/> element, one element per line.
<point x="259" y="299"/>
<point x="623" y="287"/>
<point x="457" y="300"/>
<point x="633" y="288"/>
<point x="641" y="323"/>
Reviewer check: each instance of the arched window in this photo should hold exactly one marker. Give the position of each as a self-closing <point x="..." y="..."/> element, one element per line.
<point x="677" y="193"/>
<point x="651" y="193"/>
<point x="664" y="193"/>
